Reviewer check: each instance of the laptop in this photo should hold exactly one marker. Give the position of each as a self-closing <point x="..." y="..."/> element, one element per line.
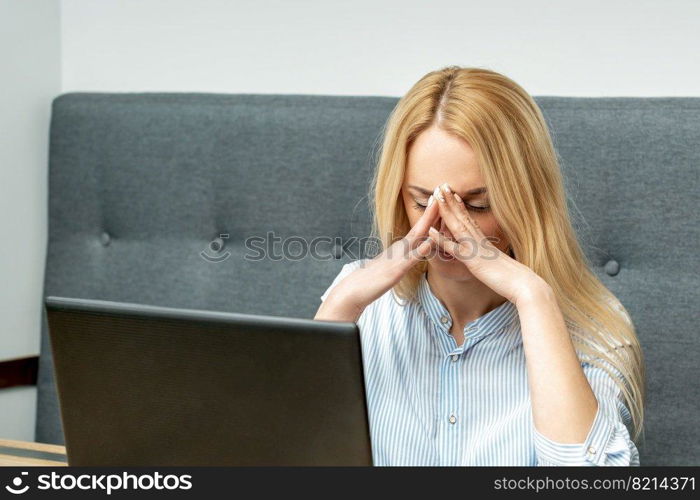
<point x="142" y="385"/>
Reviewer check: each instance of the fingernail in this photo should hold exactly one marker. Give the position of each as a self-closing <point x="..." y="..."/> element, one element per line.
<point x="432" y="230"/>
<point x="438" y="194"/>
<point x="446" y="188"/>
<point x="430" y="200"/>
<point x="459" y="200"/>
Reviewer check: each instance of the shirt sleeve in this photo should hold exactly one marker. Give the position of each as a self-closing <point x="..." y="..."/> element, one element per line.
<point x="608" y="441"/>
<point x="344" y="271"/>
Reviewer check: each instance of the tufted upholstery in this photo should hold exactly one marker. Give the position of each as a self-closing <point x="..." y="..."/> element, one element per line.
<point x="141" y="184"/>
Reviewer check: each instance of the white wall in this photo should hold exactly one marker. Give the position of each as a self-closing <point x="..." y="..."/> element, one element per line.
<point x="380" y="47"/>
<point x="30" y="77"/>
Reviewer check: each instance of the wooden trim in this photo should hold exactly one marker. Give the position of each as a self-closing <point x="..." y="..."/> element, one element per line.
<point x="31" y="445"/>
<point x="18" y="372"/>
<point x="24" y="453"/>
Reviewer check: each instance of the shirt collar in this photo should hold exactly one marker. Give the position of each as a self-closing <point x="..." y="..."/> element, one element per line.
<point x="491" y="322"/>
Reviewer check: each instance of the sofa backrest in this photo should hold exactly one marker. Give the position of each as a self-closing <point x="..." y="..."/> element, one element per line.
<point x="145" y="188"/>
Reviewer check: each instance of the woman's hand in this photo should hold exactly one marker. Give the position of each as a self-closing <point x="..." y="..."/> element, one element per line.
<point x="497" y="270"/>
<point x="357" y="290"/>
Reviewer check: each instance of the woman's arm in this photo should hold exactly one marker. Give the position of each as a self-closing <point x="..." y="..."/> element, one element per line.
<point x="348" y="299"/>
<point x="563" y="403"/>
<point x="573" y="423"/>
<point x="576" y="409"/>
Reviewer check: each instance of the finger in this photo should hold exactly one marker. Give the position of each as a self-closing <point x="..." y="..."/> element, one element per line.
<point x="446" y="244"/>
<point x="462" y="214"/>
<point x="462" y="210"/>
<point x="477" y="233"/>
<point x="430" y="215"/>
<point x="459" y="223"/>
<point x="423" y="251"/>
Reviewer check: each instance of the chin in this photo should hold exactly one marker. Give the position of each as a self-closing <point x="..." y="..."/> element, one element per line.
<point x="451" y="269"/>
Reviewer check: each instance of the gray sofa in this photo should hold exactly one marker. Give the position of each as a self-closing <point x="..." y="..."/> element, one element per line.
<point x="152" y="196"/>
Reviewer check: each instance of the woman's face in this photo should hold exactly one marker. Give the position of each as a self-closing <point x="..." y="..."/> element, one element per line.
<point x="436" y="157"/>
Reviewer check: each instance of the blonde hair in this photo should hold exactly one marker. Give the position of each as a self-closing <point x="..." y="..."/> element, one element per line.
<point x="508" y="133"/>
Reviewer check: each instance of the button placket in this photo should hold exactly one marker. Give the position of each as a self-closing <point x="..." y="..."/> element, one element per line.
<point x="452" y="372"/>
<point x="447" y="408"/>
<point x="444" y="326"/>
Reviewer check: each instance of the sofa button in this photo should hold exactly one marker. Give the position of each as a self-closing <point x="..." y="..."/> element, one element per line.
<point x="105" y="239"/>
<point x="612" y="267"/>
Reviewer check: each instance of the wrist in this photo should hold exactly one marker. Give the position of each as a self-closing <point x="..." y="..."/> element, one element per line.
<point x="340" y="306"/>
<point x="534" y="291"/>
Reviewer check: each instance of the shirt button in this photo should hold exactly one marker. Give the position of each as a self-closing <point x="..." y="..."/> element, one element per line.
<point x="443" y="320"/>
<point x="591" y="450"/>
<point x="453" y="419"/>
<point x="455" y="357"/>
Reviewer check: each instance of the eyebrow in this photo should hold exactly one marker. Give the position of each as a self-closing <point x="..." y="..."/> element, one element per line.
<point x="478" y="190"/>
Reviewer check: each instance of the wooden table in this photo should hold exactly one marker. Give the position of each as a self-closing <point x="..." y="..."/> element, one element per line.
<point x="26" y="453"/>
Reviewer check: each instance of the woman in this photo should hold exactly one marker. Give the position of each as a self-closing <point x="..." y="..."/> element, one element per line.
<point x="486" y="338"/>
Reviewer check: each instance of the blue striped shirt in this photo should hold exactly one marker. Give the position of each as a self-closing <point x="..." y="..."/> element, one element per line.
<point x="432" y="402"/>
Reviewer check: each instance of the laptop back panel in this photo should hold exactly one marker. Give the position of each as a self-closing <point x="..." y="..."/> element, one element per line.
<point x="143" y="385"/>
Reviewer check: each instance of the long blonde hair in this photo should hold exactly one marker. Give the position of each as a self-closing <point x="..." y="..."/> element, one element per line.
<point x="508" y="133"/>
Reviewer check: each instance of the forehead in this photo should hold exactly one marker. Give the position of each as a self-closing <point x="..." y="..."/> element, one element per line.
<point x="436" y="156"/>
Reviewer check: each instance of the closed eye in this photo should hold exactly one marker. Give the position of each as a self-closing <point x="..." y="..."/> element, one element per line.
<point x="473" y="208"/>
